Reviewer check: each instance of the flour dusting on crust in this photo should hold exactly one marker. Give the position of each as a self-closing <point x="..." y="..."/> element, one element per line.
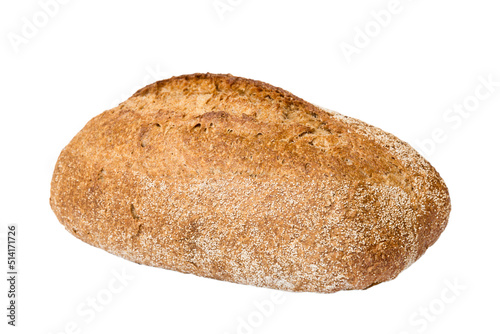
<point x="237" y="180"/>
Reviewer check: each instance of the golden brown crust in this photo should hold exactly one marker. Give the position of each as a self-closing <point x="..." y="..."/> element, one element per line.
<point x="237" y="180"/>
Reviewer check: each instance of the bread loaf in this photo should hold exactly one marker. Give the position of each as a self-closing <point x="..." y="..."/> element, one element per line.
<point x="237" y="180"/>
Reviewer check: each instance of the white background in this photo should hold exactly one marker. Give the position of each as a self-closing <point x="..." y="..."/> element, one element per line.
<point x="89" y="55"/>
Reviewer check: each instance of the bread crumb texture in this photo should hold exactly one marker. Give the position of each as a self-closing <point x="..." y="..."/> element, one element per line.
<point x="237" y="180"/>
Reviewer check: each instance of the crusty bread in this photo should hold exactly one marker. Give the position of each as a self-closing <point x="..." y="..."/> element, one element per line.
<point x="237" y="180"/>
